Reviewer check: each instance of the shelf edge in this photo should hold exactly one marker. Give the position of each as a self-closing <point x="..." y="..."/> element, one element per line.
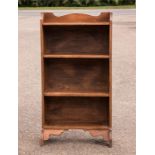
<point x="74" y="24"/>
<point x="76" y="94"/>
<point x="77" y="56"/>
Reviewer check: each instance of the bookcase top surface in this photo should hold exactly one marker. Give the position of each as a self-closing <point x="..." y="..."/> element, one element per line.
<point x="49" y="18"/>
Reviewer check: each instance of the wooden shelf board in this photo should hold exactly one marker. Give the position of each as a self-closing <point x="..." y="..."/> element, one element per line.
<point x="93" y="127"/>
<point x="75" y="23"/>
<point x="106" y="56"/>
<point x="82" y="94"/>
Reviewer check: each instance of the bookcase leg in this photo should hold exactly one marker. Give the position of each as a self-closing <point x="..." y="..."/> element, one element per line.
<point x="46" y="133"/>
<point x="41" y="141"/>
<point x="106" y="134"/>
<point x="109" y="138"/>
<point x="110" y="143"/>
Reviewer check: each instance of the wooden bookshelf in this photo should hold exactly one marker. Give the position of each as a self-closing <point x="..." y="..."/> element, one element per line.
<point x="76" y="62"/>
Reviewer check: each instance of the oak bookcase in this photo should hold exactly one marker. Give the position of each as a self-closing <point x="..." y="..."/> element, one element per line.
<point x="76" y="62"/>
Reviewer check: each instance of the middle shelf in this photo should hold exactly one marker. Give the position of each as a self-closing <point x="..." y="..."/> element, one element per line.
<point x="80" y="94"/>
<point x="91" y="56"/>
<point x="76" y="77"/>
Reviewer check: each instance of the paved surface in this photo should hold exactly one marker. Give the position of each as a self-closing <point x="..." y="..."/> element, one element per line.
<point x="77" y="142"/>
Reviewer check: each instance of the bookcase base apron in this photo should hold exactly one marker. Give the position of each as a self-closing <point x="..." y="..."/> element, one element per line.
<point x="106" y="135"/>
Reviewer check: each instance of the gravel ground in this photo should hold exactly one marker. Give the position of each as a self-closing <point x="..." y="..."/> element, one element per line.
<point x="77" y="142"/>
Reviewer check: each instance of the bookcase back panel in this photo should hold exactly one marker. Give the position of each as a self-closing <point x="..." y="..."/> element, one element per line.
<point x="76" y="110"/>
<point x="78" y="75"/>
<point x="76" y="39"/>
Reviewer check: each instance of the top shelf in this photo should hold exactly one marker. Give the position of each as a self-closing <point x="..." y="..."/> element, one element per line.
<point x="77" y="23"/>
<point x="76" y="19"/>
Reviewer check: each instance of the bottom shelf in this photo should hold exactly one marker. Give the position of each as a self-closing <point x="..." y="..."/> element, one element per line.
<point x="76" y="112"/>
<point x="65" y="126"/>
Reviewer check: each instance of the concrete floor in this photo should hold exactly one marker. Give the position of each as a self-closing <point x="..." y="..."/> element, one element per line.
<point x="77" y="142"/>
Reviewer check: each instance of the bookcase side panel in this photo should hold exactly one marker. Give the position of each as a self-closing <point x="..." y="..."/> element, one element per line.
<point x="110" y="74"/>
<point x="42" y="72"/>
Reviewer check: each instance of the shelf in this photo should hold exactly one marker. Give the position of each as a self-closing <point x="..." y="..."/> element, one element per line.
<point x="76" y="75"/>
<point x="92" y="56"/>
<point x="76" y="23"/>
<point x="78" y="40"/>
<point x="86" y="126"/>
<point x="76" y="111"/>
<point x="82" y="94"/>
